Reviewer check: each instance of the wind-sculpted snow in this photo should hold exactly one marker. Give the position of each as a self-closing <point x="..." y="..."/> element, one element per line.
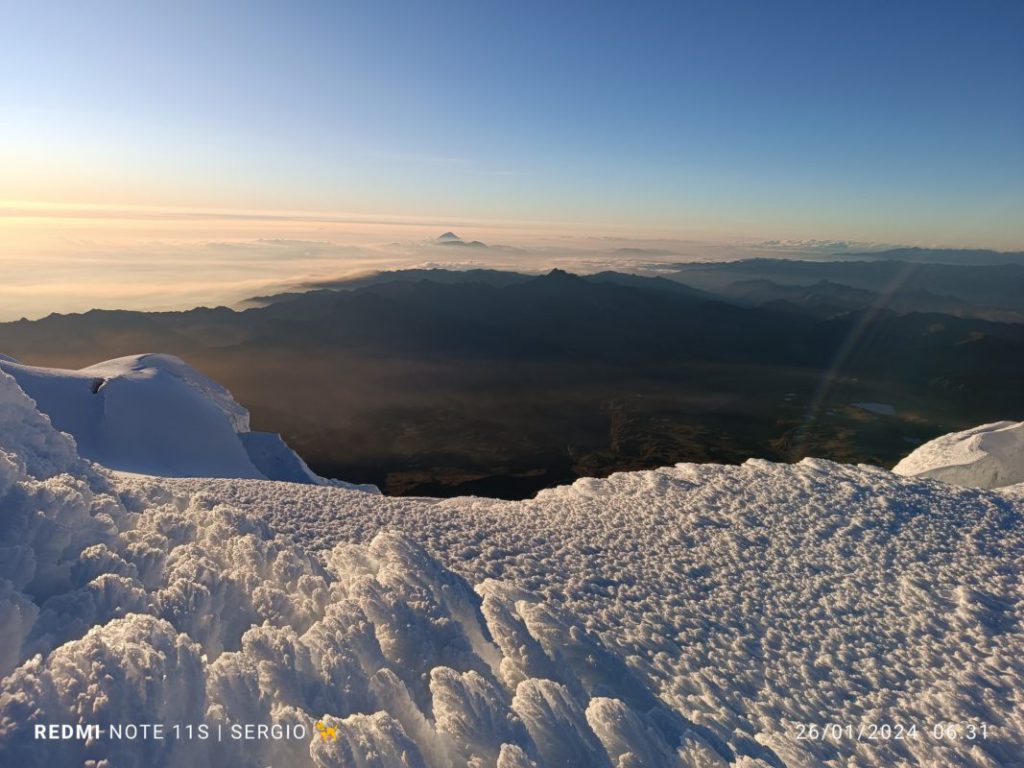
<point x="173" y="607"/>
<point x="155" y="415"/>
<point x="688" y="617"/>
<point x="989" y="456"/>
<point x="754" y="601"/>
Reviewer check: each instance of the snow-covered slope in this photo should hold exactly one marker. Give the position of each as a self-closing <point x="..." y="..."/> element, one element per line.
<point x="989" y="456"/>
<point x="691" y="616"/>
<point x="155" y="415"/>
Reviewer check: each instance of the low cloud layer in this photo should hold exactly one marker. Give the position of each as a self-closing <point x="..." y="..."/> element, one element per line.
<point x="79" y="273"/>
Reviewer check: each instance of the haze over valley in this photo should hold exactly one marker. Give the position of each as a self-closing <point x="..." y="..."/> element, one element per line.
<point x="442" y="382"/>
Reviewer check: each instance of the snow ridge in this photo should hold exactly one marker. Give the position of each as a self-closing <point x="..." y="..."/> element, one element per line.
<point x="153" y="414"/>
<point x="989" y="456"/>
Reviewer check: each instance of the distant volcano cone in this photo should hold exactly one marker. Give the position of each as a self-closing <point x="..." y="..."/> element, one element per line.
<point x="449" y="237"/>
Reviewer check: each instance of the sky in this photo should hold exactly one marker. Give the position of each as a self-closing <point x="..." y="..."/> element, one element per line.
<point x="135" y="137"/>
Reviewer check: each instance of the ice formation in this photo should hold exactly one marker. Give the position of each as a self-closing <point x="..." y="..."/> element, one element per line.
<point x="989" y="456"/>
<point x="687" y="617"/>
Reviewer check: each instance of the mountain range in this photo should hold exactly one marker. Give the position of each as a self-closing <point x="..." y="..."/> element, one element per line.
<point x="445" y="382"/>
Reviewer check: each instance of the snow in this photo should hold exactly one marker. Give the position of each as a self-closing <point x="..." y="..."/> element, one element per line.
<point x="688" y="616"/>
<point x="880" y="409"/>
<point x="154" y="415"/>
<point x="989" y="456"/>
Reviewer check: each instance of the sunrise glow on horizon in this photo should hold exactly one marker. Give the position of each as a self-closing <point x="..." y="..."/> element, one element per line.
<point x="139" y="137"/>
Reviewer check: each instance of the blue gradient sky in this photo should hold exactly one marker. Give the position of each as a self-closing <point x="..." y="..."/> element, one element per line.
<point x="896" y="122"/>
<point x="846" y="119"/>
